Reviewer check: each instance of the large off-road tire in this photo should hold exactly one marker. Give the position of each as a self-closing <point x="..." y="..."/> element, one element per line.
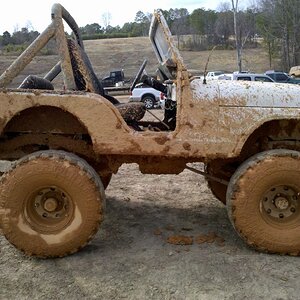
<point x="263" y="201"/>
<point x="53" y="203"/>
<point x="221" y="171"/>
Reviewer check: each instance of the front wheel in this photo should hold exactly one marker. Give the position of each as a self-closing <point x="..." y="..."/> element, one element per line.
<point x="263" y="201"/>
<point x="53" y="203"/>
<point x="149" y="102"/>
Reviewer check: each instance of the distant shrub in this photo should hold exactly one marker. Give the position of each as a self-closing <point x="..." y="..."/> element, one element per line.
<point x="47" y="51"/>
<point x="100" y="36"/>
<point x="13" y="49"/>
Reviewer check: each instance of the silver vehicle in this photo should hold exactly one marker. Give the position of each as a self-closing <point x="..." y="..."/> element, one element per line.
<point x="246" y="77"/>
<point x="252" y="77"/>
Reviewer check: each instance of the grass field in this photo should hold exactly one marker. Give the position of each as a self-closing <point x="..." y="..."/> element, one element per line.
<point x="129" y="53"/>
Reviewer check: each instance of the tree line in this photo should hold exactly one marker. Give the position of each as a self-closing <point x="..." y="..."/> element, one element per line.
<point x="273" y="24"/>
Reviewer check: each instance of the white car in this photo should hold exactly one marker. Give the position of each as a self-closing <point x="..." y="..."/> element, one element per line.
<point x="214" y="74"/>
<point x="150" y="96"/>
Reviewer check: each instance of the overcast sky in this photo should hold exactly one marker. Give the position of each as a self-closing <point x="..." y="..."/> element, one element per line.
<point x="16" y="14"/>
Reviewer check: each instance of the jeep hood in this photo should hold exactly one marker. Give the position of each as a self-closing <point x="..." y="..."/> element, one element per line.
<point x="247" y="94"/>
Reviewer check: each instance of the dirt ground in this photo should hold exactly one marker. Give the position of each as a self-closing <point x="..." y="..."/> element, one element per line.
<point x="130" y="257"/>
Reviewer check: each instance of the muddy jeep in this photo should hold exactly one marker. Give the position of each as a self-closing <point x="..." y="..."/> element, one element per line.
<point x="66" y="144"/>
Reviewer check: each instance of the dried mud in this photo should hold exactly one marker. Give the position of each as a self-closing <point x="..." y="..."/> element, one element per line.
<point x="130" y="257"/>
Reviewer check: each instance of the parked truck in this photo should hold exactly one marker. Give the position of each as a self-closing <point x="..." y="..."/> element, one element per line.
<point x="115" y="77"/>
<point x="66" y="144"/>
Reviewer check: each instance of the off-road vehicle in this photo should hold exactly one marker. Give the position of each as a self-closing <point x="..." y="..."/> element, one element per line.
<point x="67" y="143"/>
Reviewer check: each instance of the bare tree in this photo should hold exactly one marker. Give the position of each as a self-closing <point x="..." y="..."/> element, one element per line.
<point x="242" y="30"/>
<point x="235" y="4"/>
<point x="180" y="23"/>
<point x="280" y="26"/>
<point x="223" y="25"/>
<point x="106" y="18"/>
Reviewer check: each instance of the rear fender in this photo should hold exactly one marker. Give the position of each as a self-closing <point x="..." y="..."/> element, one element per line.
<point x="101" y="119"/>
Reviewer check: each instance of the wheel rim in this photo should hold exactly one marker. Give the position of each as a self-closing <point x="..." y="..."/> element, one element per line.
<point x="148" y="103"/>
<point x="48" y="209"/>
<point x="280" y="205"/>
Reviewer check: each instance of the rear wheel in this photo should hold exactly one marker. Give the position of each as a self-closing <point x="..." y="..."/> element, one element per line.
<point x="263" y="201"/>
<point x="53" y="203"/>
<point x="149" y="102"/>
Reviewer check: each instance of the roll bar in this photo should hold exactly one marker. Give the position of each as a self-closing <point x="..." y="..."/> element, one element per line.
<point x="54" y="30"/>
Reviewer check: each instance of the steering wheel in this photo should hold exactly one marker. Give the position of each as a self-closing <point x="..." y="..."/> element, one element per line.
<point x="138" y="75"/>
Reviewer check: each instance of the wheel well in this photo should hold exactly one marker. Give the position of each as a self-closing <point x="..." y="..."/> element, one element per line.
<point x="45" y="119"/>
<point x="276" y="134"/>
<point x="48" y="127"/>
<point x="43" y="128"/>
<point x="148" y="95"/>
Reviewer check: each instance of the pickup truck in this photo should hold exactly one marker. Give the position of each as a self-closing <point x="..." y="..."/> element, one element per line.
<point x="148" y="95"/>
<point x="214" y="74"/>
<point x="114" y="77"/>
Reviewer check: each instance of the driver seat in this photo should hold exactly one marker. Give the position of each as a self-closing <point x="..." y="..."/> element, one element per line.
<point x="86" y="80"/>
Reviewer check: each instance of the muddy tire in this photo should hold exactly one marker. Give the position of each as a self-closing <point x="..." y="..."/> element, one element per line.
<point x="221" y="171"/>
<point x="263" y="201"/>
<point x="53" y="203"/>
